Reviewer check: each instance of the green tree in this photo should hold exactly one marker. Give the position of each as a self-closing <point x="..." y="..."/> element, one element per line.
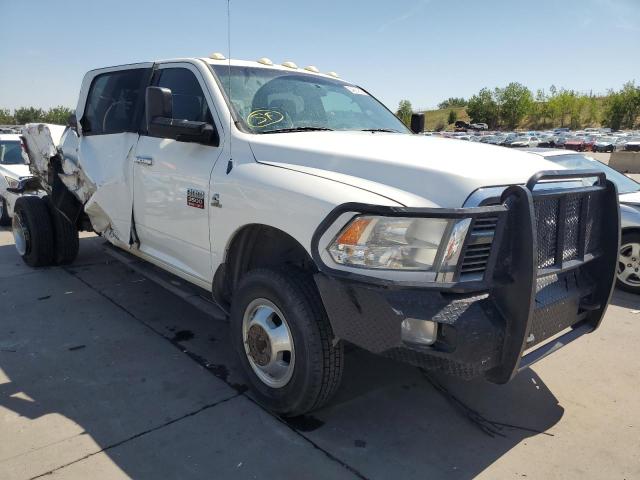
<point x="552" y="105"/>
<point x="593" y="113"/>
<point x="6" y="118"/>
<point x="483" y="108"/>
<point x="28" y="115"/>
<point x="542" y="102"/>
<point x="562" y="103"/>
<point x="577" y="107"/>
<point x="615" y="110"/>
<point x="439" y="126"/>
<point x="453" y="116"/>
<point x="58" y="115"/>
<point x="404" y="112"/>
<point x="515" y="101"/>
<point x="452" y="102"/>
<point x="631" y="97"/>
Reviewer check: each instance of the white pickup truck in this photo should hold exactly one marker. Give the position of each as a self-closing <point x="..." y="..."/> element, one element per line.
<point x="317" y="218"/>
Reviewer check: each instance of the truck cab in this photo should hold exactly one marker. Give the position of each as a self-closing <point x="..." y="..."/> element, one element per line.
<point x="316" y="218"/>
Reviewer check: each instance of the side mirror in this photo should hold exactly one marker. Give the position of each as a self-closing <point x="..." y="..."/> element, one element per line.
<point x="417" y="122"/>
<point x="160" y="121"/>
<point x="159" y="103"/>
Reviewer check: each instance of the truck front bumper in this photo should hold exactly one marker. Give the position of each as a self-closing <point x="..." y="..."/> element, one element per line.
<point x="551" y="282"/>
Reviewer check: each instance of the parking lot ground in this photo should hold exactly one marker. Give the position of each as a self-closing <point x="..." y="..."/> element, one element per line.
<point x="105" y="374"/>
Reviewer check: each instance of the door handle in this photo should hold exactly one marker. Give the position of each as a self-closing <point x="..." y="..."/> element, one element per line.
<point x="144" y="160"/>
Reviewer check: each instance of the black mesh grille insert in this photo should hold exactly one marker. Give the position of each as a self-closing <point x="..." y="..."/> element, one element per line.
<point x="566" y="216"/>
<point x="593" y="224"/>
<point x="572" y="227"/>
<point x="546" y="211"/>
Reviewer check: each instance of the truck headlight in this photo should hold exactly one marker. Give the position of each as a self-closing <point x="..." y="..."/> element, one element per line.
<point x="11" y="182"/>
<point x="391" y="243"/>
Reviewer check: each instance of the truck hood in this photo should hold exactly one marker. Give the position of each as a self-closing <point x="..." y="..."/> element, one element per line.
<point x="414" y="170"/>
<point x="15" y="171"/>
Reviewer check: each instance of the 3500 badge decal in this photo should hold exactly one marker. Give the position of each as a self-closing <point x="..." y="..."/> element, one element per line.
<point x="195" y="198"/>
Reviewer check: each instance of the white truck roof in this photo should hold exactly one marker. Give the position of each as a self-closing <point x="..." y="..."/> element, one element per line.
<point x="264" y="62"/>
<point x="9" y="136"/>
<point x="286" y="66"/>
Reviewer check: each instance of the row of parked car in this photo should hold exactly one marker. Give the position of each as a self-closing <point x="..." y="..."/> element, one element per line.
<point x="589" y="140"/>
<point x="10" y="129"/>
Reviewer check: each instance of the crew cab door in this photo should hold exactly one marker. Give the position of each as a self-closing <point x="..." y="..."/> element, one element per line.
<point x="110" y="111"/>
<point x="171" y="180"/>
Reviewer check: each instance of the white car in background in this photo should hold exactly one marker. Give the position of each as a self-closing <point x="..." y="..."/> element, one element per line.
<point x="628" y="273"/>
<point x="13" y="168"/>
<point x="524" y="142"/>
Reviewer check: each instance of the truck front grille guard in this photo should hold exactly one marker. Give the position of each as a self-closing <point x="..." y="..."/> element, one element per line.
<point x="558" y="263"/>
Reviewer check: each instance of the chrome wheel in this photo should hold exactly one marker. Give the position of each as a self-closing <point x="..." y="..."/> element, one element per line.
<point x="268" y="343"/>
<point x="20" y="234"/>
<point x="629" y="264"/>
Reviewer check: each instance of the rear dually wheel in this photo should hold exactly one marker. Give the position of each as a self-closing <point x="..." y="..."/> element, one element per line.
<point x="33" y="231"/>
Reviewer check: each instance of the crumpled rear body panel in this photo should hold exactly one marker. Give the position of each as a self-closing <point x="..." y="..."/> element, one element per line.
<point x="42" y="142"/>
<point x="100" y="186"/>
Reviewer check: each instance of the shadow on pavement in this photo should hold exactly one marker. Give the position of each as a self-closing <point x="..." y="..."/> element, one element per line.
<point x="624" y="299"/>
<point x="94" y="356"/>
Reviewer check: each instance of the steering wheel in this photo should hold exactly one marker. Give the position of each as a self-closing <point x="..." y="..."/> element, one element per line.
<point x="110" y="111"/>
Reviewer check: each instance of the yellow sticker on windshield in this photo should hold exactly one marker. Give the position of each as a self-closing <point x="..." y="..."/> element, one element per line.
<point x="264" y="118"/>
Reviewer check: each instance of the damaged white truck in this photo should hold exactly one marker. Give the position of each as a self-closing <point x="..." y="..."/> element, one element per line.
<point x="317" y="218"/>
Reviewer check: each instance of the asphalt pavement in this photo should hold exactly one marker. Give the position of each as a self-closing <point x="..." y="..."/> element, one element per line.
<point x="104" y="373"/>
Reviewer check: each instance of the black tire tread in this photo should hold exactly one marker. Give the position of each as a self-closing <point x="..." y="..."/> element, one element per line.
<point x="332" y="356"/>
<point x="5" y="220"/>
<point x="66" y="242"/>
<point x="34" y="212"/>
<point x="327" y="363"/>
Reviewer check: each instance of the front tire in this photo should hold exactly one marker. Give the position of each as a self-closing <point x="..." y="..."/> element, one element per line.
<point x="628" y="273"/>
<point x="284" y="340"/>
<point x="33" y="231"/>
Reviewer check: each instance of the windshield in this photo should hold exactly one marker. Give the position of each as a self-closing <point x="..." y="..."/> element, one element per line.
<point x="11" y="152"/>
<point x="623" y="183"/>
<point x="269" y="100"/>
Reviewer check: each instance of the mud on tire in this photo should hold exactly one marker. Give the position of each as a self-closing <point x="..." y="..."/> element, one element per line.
<point x="33" y="231"/>
<point x="318" y="366"/>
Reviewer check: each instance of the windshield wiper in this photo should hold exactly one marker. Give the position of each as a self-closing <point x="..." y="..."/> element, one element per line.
<point x="299" y="129"/>
<point x="389" y="130"/>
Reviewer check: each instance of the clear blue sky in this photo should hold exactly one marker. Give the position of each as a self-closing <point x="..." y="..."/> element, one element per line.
<point x="424" y="51"/>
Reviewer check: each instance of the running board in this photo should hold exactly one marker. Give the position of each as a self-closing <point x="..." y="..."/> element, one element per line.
<point x="192" y="294"/>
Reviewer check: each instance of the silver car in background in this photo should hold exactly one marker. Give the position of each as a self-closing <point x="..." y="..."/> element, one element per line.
<point x="629" y="195"/>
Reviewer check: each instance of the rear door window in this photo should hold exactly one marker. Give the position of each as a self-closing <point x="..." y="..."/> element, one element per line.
<point x="114" y="104"/>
